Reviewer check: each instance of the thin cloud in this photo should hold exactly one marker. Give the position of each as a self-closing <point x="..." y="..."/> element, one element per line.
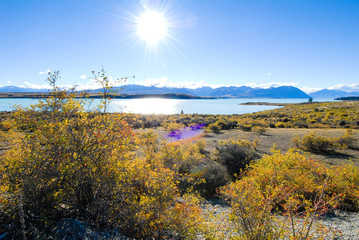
<point x="94" y="84"/>
<point x="88" y="85"/>
<point x="309" y="90"/>
<point x="346" y="87"/>
<point x="272" y="84"/>
<point x="342" y="87"/>
<point x="91" y="84"/>
<point x="46" y="72"/>
<point x="47" y="86"/>
<point x="164" y="82"/>
<point x="192" y="84"/>
<point x="8" y="84"/>
<point x="36" y="86"/>
<point x="157" y="82"/>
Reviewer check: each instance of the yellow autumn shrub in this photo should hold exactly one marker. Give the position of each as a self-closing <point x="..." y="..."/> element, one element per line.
<point x="312" y="142"/>
<point x="65" y="162"/>
<point x="294" y="186"/>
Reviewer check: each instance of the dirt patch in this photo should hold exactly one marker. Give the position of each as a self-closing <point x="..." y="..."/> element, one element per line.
<point x="281" y="138"/>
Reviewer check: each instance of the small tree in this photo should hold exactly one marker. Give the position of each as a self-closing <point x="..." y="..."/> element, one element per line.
<point x="107" y="85"/>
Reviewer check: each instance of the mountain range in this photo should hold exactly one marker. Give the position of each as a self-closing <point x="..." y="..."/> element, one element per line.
<point x="332" y="93"/>
<point x="237" y="92"/>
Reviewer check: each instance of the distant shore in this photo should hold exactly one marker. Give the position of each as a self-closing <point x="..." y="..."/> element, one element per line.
<point x="97" y="95"/>
<point x="352" y="98"/>
<point x="272" y="104"/>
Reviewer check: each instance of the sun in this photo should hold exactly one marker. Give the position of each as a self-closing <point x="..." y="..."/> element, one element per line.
<point x="152" y="27"/>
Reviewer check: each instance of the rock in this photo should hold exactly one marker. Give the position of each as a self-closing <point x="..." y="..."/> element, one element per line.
<point x="73" y="229"/>
<point x="4" y="236"/>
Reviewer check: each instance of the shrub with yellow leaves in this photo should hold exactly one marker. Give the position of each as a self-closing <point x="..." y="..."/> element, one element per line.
<point x="294" y="186"/>
<point x="65" y="162"/>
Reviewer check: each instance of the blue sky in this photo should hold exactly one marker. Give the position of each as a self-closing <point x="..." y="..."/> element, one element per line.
<point x="311" y="44"/>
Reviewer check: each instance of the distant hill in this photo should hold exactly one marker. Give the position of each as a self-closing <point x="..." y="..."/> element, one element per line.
<point x="280" y="92"/>
<point x="140" y="89"/>
<point x="238" y="92"/>
<point x="242" y="91"/>
<point x="348" y="98"/>
<point x="15" y="89"/>
<point x="331" y="94"/>
<point x="202" y="91"/>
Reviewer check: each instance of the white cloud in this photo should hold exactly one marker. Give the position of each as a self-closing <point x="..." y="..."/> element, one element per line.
<point x="346" y="87"/>
<point x="164" y="82"/>
<point x="93" y="84"/>
<point x="46" y="72"/>
<point x="8" y="84"/>
<point x="192" y="84"/>
<point x="88" y="85"/>
<point x="47" y="86"/>
<point x="309" y="90"/>
<point x="269" y="74"/>
<point x="158" y="82"/>
<point x="343" y="87"/>
<point x="34" y="85"/>
<point x="272" y="84"/>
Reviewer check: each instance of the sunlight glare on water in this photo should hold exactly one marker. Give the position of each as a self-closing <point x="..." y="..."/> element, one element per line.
<point x="147" y="106"/>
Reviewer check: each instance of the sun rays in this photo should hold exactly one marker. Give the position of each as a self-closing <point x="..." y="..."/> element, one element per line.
<point x="152" y="27"/>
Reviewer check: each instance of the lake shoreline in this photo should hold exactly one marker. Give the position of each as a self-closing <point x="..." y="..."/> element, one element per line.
<point x="165" y="104"/>
<point x="113" y="96"/>
<point x="274" y="104"/>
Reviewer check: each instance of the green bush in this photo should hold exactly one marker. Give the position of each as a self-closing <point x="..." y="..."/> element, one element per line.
<point x="280" y="125"/>
<point x="215" y="175"/>
<point x="347" y="140"/>
<point x="259" y="130"/>
<point x="214" y="127"/>
<point x="320" y="144"/>
<point x="245" y="127"/>
<point x="235" y="155"/>
<point x="226" y="124"/>
<point x="314" y="143"/>
<point x="271" y="125"/>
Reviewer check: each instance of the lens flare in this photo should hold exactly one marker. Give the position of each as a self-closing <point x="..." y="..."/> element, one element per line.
<point x="187" y="134"/>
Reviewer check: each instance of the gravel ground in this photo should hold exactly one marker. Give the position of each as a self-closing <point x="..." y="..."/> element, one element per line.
<point x="344" y="224"/>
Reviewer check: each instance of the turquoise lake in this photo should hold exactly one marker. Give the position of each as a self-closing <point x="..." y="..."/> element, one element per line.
<point x="170" y="106"/>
